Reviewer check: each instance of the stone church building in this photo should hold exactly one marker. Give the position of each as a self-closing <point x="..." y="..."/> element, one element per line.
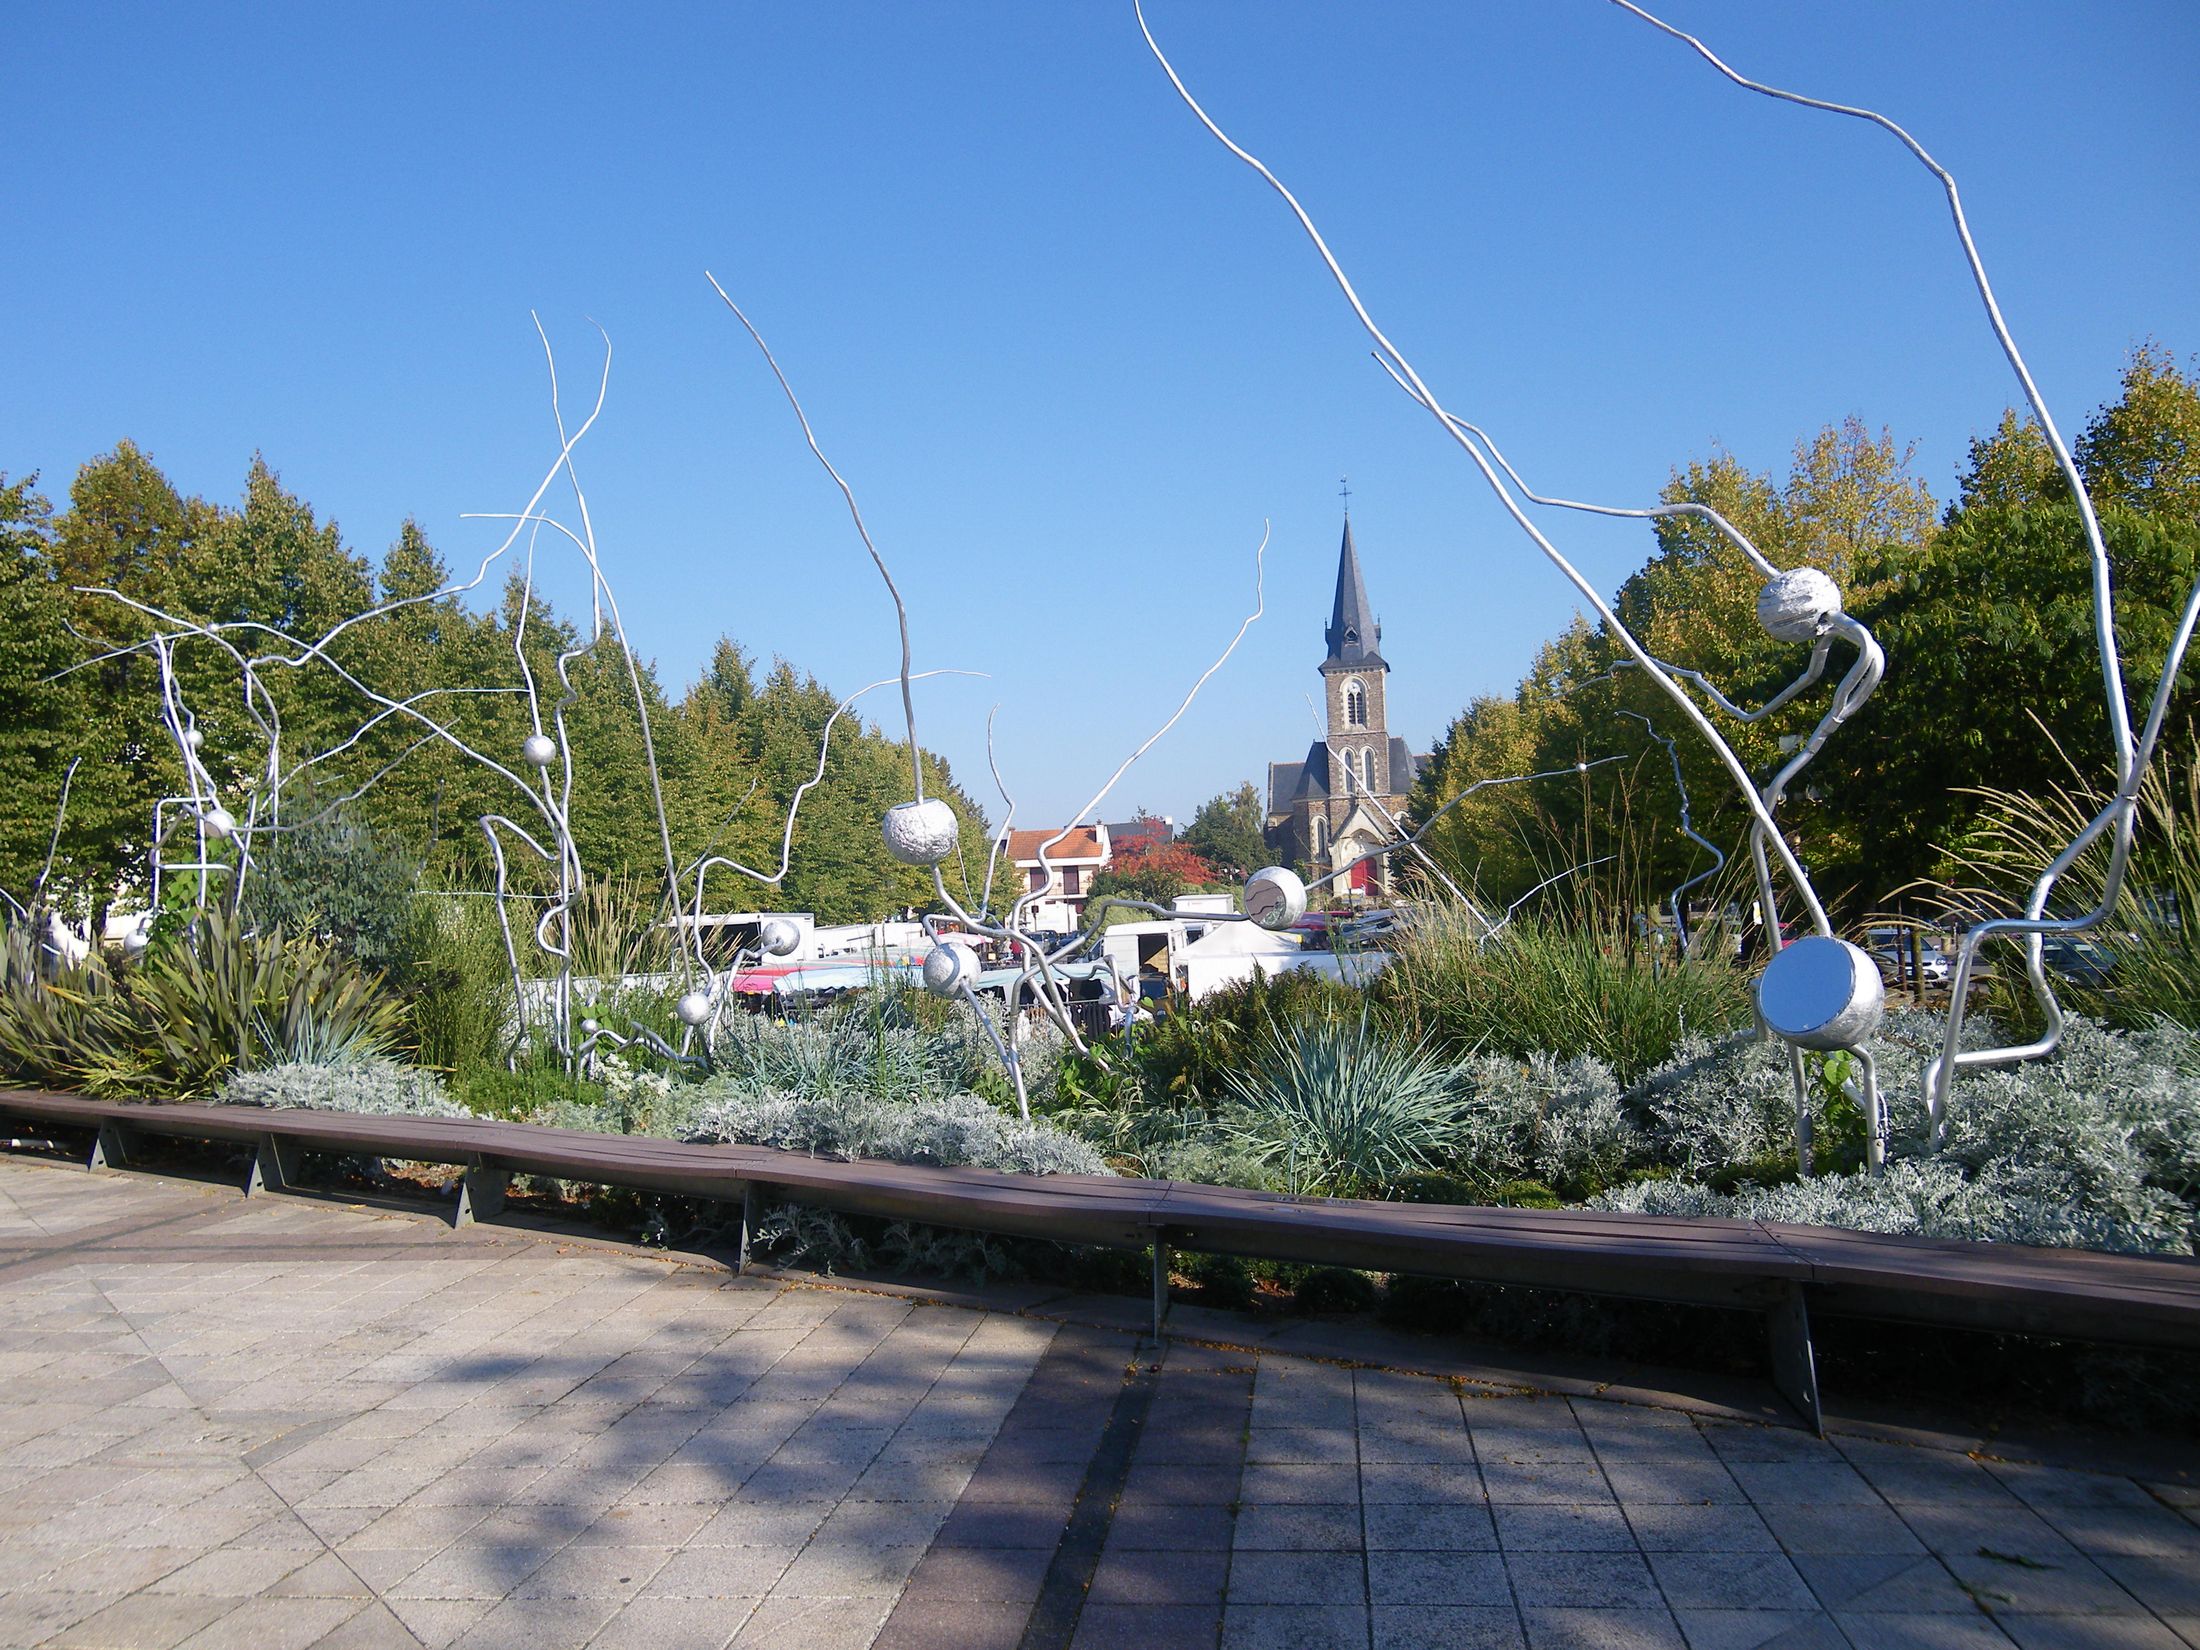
<point x="1349" y="793"/>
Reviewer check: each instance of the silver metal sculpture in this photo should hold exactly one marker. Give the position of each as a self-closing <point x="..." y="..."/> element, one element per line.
<point x="1792" y="602"/>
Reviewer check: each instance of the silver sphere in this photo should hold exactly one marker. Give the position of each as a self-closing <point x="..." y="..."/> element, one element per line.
<point x="1821" y="993"/>
<point x="589" y="1028"/>
<point x="776" y="936"/>
<point x="920" y="833"/>
<point x="948" y="967"/>
<point x="540" y="750"/>
<point x="1797" y="605"/>
<point x="195" y="739"/>
<point x="693" y="1008"/>
<point x="219" y="821"/>
<point x="1275" y="898"/>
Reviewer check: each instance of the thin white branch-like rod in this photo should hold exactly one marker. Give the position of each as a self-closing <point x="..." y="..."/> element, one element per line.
<point x="1798" y="877"/>
<point x="2119" y="713"/>
<point x="901" y="610"/>
<point x="1656" y="512"/>
<point x="1260" y="607"/>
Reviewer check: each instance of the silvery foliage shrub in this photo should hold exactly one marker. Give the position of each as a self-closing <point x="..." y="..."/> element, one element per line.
<point x="2092" y="1148"/>
<point x="957" y="1130"/>
<point x="846" y="1051"/>
<point x="372" y="1087"/>
<point x="829" y="1242"/>
<point x="1561" y="1121"/>
<point x="635" y="1100"/>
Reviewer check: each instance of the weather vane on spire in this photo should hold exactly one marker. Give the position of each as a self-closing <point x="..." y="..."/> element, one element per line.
<point x="1344" y="491"/>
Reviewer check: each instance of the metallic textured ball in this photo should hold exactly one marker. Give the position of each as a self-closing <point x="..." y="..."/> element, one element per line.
<point x="540" y="750"/>
<point x="693" y="1008"/>
<point x="219" y="821"/>
<point x="948" y="967"/>
<point x="1821" y="993"/>
<point x="777" y="936"/>
<point x="1274" y="897"/>
<point x="1796" y="605"/>
<point x="589" y="1028"/>
<point x="195" y="739"/>
<point x="920" y="833"/>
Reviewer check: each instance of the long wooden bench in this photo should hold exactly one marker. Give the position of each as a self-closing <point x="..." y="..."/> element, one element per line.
<point x="1782" y="1271"/>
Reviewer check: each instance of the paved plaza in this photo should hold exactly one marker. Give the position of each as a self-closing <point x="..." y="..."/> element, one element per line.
<point x="283" y="1423"/>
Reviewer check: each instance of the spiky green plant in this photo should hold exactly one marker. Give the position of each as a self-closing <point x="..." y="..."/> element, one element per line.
<point x="1343" y="1107"/>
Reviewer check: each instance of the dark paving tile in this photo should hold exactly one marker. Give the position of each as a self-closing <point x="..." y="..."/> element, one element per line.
<point x="1445" y="1627"/>
<point x="1146" y="1524"/>
<point x="1136" y="1577"/>
<point x="1003" y="1524"/>
<point x="950" y="1624"/>
<point x="981" y="1574"/>
<point x="1297" y="1578"/>
<point x="1294" y="1627"/>
<point x="1602" y="1581"/>
<point x="1601" y="1629"/>
<point x="1477" y="1579"/>
<point x="1147" y="1627"/>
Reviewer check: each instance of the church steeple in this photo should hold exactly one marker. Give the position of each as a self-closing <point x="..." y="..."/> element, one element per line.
<point x="1353" y="635"/>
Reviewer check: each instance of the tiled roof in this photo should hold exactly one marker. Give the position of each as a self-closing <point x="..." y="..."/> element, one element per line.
<point x="1081" y="844"/>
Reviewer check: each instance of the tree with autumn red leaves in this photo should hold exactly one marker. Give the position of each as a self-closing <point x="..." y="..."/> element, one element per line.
<point x="1157" y="872"/>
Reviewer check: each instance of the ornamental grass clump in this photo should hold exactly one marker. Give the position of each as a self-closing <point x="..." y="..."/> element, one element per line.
<point x="372" y="1087"/>
<point x="1559" y="988"/>
<point x="1341" y="1107"/>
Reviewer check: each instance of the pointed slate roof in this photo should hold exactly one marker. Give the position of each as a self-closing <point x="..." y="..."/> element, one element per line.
<point x="1353" y="635"/>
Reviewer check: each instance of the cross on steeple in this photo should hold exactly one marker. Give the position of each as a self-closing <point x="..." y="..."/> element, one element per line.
<point x="1344" y="491"/>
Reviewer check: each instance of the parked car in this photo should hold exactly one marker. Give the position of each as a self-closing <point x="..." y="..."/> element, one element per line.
<point x="2080" y="960"/>
<point x="1890" y="949"/>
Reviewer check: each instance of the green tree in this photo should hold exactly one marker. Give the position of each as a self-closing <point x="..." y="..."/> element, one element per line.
<point x="1226" y="832"/>
<point x="42" y="721"/>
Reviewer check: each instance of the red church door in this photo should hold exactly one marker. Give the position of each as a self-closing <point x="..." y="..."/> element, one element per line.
<point x="1362" y="877"/>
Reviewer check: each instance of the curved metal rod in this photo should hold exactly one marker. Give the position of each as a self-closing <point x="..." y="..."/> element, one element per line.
<point x="1688" y="829"/>
<point x="901" y="610"/>
<point x="1427" y="398"/>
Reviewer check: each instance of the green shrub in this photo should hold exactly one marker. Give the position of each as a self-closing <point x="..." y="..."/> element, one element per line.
<point x="1341" y="1107"/>
<point x="1556" y="989"/>
<point x="218" y="998"/>
<point x="458" y="984"/>
<point x="333" y="879"/>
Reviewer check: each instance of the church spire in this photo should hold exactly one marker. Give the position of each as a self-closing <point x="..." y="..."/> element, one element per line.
<point x="1353" y="635"/>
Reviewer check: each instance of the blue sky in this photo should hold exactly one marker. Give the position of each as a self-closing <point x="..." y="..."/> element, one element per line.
<point x="1067" y="351"/>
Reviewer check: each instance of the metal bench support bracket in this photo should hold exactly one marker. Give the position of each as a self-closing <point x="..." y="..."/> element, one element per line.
<point x="277" y="1166"/>
<point x="109" y="1148"/>
<point x="480" y="1195"/>
<point x="1794" y="1366"/>
<point x="1160" y="1284"/>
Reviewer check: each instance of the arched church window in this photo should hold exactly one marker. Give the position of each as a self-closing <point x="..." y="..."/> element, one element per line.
<point x="1355" y="703"/>
<point x="1367" y="768"/>
<point x="1321" y="836"/>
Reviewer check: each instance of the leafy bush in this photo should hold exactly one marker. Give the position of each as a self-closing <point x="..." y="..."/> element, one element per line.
<point x="332" y="878"/>
<point x="218" y="998"/>
<point x="372" y="1087"/>
<point x="1562" y="989"/>
<point x="1341" y="1107"/>
<point x="948" y="1131"/>
<point x="458" y="984"/>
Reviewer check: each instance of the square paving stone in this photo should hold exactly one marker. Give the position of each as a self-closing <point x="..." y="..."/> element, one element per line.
<point x="1923" y="1632"/>
<point x="2168" y="1586"/>
<point x="840" y="1570"/>
<point x="1476" y="1579"/>
<point x="275" y="1624"/>
<point x="1721" y="1528"/>
<point x="1299" y="1529"/>
<point x="1573" y="1628"/>
<point x="1144" y="1524"/>
<point x="1302" y="1444"/>
<point x="1417" y="1444"/>
<point x="1446" y="1627"/>
<point x="595" y="1572"/>
<point x="674" y="1624"/>
<point x="1841" y="1529"/>
<point x="1405" y="1527"/>
<point x="1883" y="1584"/>
<point x="1435" y="1484"/>
<point x="1529" y="1527"/>
<point x="1560" y="1483"/>
<point x="1731" y="1581"/>
<point x="720" y="1572"/>
<point x="762" y="1524"/>
<point x="1137" y="1577"/>
<point x="1147" y="1627"/>
<point x="1656" y="1480"/>
<point x="961" y="1624"/>
<point x="2153" y="1532"/>
<point x="1760" y="1630"/>
<point x="1599" y="1581"/>
<point x="1003" y="1524"/>
<point x="145" y="1621"/>
<point x="1812" y="1483"/>
<point x="2088" y="1632"/>
<point x="985" y="1575"/>
<point x="1294" y="1627"/>
<point x="1297" y="1578"/>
